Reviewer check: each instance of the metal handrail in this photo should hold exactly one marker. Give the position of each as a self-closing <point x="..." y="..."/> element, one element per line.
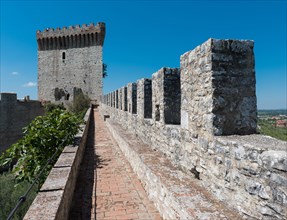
<point x="23" y="198"/>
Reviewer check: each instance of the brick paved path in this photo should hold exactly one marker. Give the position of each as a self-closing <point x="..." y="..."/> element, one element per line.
<point x="107" y="188"/>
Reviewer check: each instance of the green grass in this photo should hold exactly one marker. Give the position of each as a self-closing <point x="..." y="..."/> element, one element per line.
<point x="267" y="128"/>
<point x="9" y="196"/>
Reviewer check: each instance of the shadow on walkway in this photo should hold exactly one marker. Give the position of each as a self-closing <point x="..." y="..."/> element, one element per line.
<point x="81" y="207"/>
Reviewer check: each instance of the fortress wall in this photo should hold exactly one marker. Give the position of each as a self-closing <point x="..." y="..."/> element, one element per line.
<point x="166" y="96"/>
<point x="14" y="116"/>
<point x="216" y="140"/>
<point x="131" y="105"/>
<point x="218" y="88"/>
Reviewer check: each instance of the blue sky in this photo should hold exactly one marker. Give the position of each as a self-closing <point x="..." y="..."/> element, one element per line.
<point x="143" y="36"/>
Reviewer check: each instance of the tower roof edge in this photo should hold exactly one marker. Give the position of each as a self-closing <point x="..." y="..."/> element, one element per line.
<point x="71" y="30"/>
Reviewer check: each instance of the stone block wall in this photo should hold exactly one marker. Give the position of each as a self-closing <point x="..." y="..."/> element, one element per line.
<point x="216" y="98"/>
<point x="117" y="99"/>
<point x="166" y="96"/>
<point x="69" y="62"/>
<point x="14" y="116"/>
<point x="134" y="98"/>
<point x="144" y="98"/>
<point x="248" y="172"/>
<point x="125" y="99"/>
<point x="59" y="80"/>
<point x="234" y="99"/>
<point x="218" y="88"/>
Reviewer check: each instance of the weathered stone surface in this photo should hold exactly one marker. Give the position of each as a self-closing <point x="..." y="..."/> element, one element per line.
<point x="175" y="195"/>
<point x="246" y="172"/>
<point x="45" y="206"/>
<point x="70" y="62"/>
<point x="265" y="142"/>
<point x="275" y="159"/>
<point x="14" y="116"/>
<point x="65" y="160"/>
<point x="218" y="87"/>
<point x="237" y="160"/>
<point x="57" y="179"/>
<point x="166" y="96"/>
<point x="70" y="149"/>
<point x="132" y="98"/>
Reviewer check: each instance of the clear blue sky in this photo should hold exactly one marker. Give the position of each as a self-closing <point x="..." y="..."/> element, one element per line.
<point x="143" y="36"/>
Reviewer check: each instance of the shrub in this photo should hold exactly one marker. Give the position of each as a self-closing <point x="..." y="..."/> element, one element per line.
<point x="105" y="70"/>
<point x="80" y="104"/>
<point x="51" y="106"/>
<point x="9" y="196"/>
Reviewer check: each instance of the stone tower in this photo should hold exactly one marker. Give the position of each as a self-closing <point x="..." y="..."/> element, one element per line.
<point x="70" y="62"/>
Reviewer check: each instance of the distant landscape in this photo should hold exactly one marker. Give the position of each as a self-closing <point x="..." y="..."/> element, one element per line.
<point x="273" y="123"/>
<point x="272" y="112"/>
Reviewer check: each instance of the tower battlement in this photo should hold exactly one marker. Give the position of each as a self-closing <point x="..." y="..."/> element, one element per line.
<point x="71" y="37"/>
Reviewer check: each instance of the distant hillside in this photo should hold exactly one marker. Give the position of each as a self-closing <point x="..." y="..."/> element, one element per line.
<point x="267" y="124"/>
<point x="272" y="112"/>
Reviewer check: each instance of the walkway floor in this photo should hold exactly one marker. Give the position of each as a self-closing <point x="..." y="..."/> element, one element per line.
<point x="107" y="188"/>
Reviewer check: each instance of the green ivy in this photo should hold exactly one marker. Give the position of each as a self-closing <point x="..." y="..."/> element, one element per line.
<point x="41" y="139"/>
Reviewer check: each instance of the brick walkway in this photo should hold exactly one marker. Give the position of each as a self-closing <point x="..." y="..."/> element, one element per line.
<point x="116" y="192"/>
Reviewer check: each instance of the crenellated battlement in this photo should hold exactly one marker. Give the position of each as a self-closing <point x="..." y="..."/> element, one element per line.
<point x="71" y="37"/>
<point x="8" y="98"/>
<point x="203" y="118"/>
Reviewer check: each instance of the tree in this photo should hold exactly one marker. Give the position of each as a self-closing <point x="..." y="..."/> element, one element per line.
<point x="105" y="73"/>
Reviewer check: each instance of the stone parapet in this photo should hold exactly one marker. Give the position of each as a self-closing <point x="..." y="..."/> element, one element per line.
<point x="216" y="103"/>
<point x="55" y="196"/>
<point x="213" y="93"/>
<point x="247" y="173"/>
<point x="129" y="97"/>
<point x="166" y="96"/>
<point x="175" y="195"/>
<point x="218" y="88"/>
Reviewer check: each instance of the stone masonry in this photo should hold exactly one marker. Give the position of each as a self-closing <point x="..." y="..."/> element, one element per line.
<point x="218" y="88"/>
<point x="70" y="62"/>
<point x="167" y="106"/>
<point x="14" y="115"/>
<point x="207" y="128"/>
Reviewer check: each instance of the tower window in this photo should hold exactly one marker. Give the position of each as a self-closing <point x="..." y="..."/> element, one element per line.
<point x="63" y="56"/>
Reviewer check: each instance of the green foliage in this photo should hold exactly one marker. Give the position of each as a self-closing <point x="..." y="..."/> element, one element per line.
<point x="80" y="105"/>
<point x="9" y="196"/>
<point x="51" y="106"/>
<point x="267" y="128"/>
<point x="105" y="70"/>
<point x="41" y="138"/>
